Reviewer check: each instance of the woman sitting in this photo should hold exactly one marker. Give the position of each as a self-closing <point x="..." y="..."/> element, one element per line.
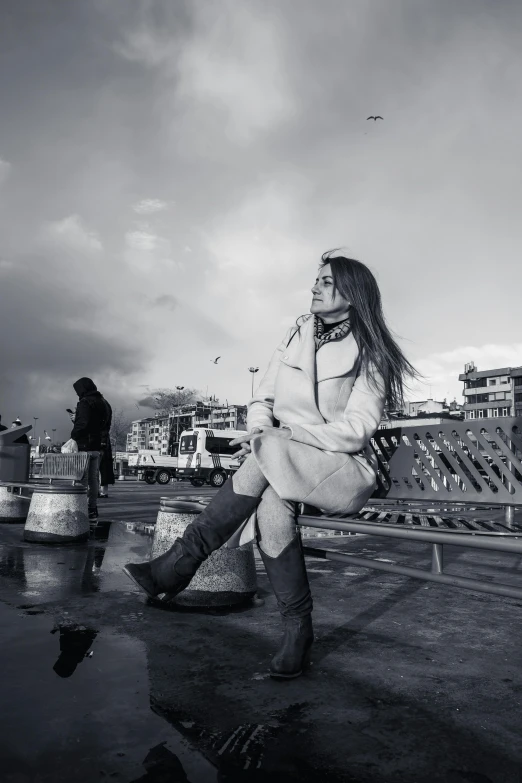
<point x="326" y="387"/>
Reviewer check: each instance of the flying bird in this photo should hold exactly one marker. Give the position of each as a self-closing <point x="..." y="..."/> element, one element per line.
<point x="216" y="359"/>
<point x="376" y="117"/>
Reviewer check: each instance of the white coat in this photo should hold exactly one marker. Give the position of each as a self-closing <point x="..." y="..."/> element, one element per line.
<point x="332" y="410"/>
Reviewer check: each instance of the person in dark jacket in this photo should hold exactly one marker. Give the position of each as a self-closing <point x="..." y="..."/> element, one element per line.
<point x="92" y="422"/>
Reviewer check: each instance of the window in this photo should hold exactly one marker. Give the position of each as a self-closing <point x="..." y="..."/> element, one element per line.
<point x="470" y="414"/>
<point x="492" y="381"/>
<point x="188" y="444"/>
<point x="498" y="396"/>
<point x="505" y="411"/>
<point x="518" y="380"/>
<point x="221" y="446"/>
<point x="482" y="413"/>
<point x="518" y="397"/>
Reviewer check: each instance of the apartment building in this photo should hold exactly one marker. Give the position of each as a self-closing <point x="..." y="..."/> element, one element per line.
<point x="149" y="433"/>
<point x="160" y="432"/>
<point x="492" y="393"/>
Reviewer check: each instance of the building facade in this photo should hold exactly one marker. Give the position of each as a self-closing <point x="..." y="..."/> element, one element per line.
<point x="160" y="432"/>
<point x="424" y="406"/>
<point x="491" y="394"/>
<point x="149" y="433"/>
<point x="414" y="412"/>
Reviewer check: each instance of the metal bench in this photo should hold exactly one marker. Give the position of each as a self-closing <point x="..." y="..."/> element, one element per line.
<point x="439" y="484"/>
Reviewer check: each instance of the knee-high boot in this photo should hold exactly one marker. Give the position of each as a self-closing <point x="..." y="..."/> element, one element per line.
<point x="172" y="571"/>
<point x="287" y="575"/>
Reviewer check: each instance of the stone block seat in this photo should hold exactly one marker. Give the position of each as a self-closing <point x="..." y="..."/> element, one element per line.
<point x="57" y="500"/>
<point x="226" y="578"/>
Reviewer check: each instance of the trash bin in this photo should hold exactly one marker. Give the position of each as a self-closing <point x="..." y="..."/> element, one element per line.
<point x="14" y="457"/>
<point x="14" y="468"/>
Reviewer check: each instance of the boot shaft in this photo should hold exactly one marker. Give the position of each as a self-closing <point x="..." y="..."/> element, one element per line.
<point x="289" y="580"/>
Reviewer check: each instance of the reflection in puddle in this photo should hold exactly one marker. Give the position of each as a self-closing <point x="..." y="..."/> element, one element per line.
<point x="239" y="753"/>
<point x="91" y="722"/>
<point x="75" y="642"/>
<point x="163" y="766"/>
<point x="52" y="573"/>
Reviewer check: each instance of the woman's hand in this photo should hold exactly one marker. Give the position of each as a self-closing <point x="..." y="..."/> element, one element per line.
<point x="275" y="432"/>
<point x="244" y="441"/>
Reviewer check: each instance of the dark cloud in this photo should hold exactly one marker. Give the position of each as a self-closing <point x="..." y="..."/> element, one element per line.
<point x="147" y="402"/>
<point x="53" y="328"/>
<point x="53" y="334"/>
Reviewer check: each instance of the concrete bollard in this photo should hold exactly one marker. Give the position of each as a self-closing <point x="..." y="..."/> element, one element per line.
<point x="14" y="506"/>
<point x="227" y="578"/>
<point x="58" y="515"/>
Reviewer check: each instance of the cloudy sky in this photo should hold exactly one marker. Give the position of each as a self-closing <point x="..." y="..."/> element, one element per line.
<point x="171" y="171"/>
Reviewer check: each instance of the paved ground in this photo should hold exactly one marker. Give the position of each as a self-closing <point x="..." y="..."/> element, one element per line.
<point x="410" y="682"/>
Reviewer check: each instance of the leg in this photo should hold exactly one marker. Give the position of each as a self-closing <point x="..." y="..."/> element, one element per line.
<point x="281" y="552"/>
<point x="106" y="469"/>
<point x="172" y="571"/>
<point x="104" y="484"/>
<point x="93" y="485"/>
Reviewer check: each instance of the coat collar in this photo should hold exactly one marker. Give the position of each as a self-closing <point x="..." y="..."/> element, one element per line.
<point x="332" y="360"/>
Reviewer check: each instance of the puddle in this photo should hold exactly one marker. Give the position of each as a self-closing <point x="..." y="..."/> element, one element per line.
<point x="52" y="573"/>
<point x="78" y="707"/>
<point x="241" y="752"/>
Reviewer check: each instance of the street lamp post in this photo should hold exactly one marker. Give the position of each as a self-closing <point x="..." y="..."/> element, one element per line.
<point x="180" y="389"/>
<point x="253" y="370"/>
<point x="36" y="445"/>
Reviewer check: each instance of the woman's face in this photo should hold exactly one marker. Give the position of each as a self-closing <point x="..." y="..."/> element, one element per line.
<point x="330" y="306"/>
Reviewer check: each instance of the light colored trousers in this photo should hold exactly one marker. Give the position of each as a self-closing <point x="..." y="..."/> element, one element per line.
<point x="276" y="518"/>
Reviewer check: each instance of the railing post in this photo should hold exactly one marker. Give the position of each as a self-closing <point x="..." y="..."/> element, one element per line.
<point x="509" y="515"/>
<point x="437" y="559"/>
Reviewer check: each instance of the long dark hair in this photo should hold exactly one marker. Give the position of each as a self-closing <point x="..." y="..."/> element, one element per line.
<point x="377" y="348"/>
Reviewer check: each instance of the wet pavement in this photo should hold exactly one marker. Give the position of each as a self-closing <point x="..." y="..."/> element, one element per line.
<point x="409" y="681"/>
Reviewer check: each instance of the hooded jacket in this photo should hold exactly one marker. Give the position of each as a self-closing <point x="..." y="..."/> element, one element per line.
<point x="93" y="417"/>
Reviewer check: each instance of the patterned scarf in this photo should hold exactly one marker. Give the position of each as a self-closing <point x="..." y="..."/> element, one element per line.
<point x="337" y="333"/>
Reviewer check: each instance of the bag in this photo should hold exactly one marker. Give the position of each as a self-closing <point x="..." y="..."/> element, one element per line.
<point x="71" y="447"/>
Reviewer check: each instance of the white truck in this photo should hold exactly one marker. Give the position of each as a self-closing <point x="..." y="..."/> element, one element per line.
<point x="206" y="456"/>
<point x="154" y="467"/>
